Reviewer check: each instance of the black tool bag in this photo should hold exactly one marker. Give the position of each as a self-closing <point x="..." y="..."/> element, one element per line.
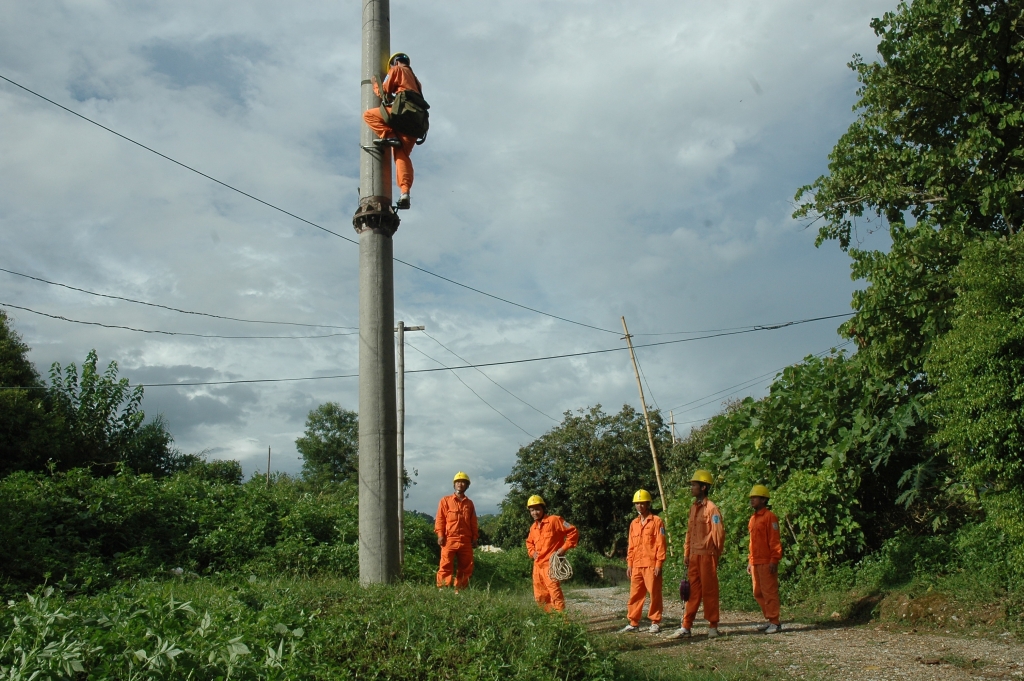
<point x="409" y="115"/>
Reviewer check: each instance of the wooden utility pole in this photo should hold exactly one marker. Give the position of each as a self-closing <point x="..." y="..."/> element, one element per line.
<point x="650" y="433"/>
<point x="400" y="382"/>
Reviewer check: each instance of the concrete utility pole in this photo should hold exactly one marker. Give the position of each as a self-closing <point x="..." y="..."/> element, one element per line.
<point x="400" y="330"/>
<point x="672" y="425"/>
<point x="650" y="433"/>
<point x="375" y="222"/>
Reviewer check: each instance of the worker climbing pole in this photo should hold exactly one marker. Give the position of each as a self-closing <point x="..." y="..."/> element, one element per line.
<point x="401" y="121"/>
<point x="376" y="222"/>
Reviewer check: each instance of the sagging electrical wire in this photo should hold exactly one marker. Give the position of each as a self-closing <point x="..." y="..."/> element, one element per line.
<point x="489" y="378"/>
<point x="649" y="391"/>
<point x="495" y="409"/>
<point x="493" y="364"/>
<point x="297" y="217"/>
<point x="172" y="309"/>
<point x="707" y="399"/>
<point x="170" y="333"/>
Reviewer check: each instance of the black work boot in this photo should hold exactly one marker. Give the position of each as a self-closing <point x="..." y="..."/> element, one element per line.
<point x="403" y="202"/>
<point x="388" y="142"/>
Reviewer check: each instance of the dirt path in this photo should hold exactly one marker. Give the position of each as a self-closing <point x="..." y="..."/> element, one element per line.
<point x="856" y="652"/>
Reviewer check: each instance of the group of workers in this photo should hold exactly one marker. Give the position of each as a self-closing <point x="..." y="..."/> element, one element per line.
<point x="705" y="539"/>
<point x="551" y="535"/>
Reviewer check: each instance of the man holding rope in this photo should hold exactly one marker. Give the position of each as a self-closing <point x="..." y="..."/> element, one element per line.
<point x="549" y="536"/>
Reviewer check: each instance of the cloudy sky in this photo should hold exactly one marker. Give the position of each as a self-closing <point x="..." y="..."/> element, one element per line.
<point x="589" y="159"/>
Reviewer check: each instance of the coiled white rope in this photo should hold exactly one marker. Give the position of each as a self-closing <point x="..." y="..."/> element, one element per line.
<point x="559" y="568"/>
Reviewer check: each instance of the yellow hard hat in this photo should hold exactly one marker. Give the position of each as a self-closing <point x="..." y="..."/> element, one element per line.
<point x="760" y="491"/>
<point x="536" y="500"/>
<point x="391" y="59"/>
<point x="461" y="476"/>
<point x="642" y="495"/>
<point x="703" y="476"/>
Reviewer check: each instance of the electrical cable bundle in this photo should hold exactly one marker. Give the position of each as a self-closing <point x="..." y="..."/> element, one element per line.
<point x="559" y="568"/>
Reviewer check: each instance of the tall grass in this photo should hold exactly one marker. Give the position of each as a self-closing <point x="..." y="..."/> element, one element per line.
<point x="289" y="628"/>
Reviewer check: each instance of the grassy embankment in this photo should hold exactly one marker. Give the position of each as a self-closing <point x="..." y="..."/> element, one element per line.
<point x="198" y="577"/>
<point x="266" y="591"/>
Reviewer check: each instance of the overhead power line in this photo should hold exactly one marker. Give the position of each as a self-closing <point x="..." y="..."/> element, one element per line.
<point x="717" y="395"/>
<point x="683" y="333"/>
<point x="468" y="387"/>
<point x="169" y="333"/>
<point x="646" y="382"/>
<point x="297" y="217"/>
<point x="426" y="371"/>
<point x="489" y="378"/>
<point x="172" y="309"/>
<point x="494" y="364"/>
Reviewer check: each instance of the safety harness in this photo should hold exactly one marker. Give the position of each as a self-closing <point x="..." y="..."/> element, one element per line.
<point x="407" y="114"/>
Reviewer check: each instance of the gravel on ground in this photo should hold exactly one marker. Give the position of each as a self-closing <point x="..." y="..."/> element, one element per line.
<point x="858" y="652"/>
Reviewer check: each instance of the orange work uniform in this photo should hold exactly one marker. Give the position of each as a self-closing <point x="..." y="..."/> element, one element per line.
<point x="456" y="522"/>
<point x="646" y="553"/>
<point x="547" y="535"/>
<point x="705" y="538"/>
<point x="399" y="78"/>
<point x="765" y="551"/>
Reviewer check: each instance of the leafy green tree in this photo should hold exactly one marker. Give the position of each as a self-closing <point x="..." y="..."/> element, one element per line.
<point x="936" y="154"/>
<point x="98" y="415"/>
<point x="330" y="444"/>
<point x="226" y="471"/>
<point x="587" y="469"/>
<point x="979" y="367"/>
<point x="832" y="440"/>
<point x="25" y="424"/>
<point x="151" y="451"/>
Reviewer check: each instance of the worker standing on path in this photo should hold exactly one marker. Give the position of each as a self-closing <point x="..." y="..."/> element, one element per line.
<point x="765" y="554"/>
<point x="549" y="534"/>
<point x="645" y="557"/>
<point x="705" y="538"/>
<point x="400" y="119"/>
<point x="457" y="535"/>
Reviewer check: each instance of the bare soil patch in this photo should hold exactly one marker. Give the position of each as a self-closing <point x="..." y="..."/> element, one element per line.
<point x="871" y="651"/>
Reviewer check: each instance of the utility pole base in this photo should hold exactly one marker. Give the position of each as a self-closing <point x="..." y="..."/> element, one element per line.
<point x="378" y="433"/>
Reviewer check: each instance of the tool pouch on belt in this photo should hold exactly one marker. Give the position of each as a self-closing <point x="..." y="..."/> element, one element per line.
<point x="684" y="590"/>
<point x="408" y="115"/>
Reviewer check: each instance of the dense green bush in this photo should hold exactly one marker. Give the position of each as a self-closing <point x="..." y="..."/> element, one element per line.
<point x="979" y="366"/>
<point x="251" y="628"/>
<point x="89" y="532"/>
<point x="92" y="531"/>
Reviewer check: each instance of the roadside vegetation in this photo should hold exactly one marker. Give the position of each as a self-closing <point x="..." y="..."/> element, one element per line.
<point x="234" y="627"/>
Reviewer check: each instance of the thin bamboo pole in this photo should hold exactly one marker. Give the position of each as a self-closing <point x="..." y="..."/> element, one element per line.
<point x="650" y="433"/>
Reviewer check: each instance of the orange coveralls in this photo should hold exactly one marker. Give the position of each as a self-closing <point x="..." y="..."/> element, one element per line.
<point x="765" y="551"/>
<point x="705" y="537"/>
<point x="456" y="521"/>
<point x="547" y="535"/>
<point x="647" y="546"/>
<point x="399" y="78"/>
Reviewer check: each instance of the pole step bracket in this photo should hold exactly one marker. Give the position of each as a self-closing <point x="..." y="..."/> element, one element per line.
<point x="376" y="213"/>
